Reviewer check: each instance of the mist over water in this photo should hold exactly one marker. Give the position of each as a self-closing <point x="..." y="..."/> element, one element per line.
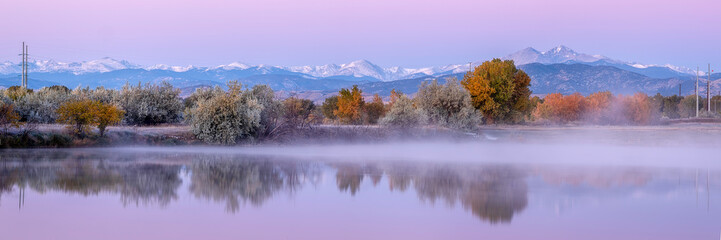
<point x="561" y="184"/>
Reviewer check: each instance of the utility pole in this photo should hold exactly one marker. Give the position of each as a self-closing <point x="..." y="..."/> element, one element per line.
<point x="708" y="90"/>
<point x="27" y="65"/>
<point x="697" y="69"/>
<point x="22" y="65"/>
<point x="470" y="66"/>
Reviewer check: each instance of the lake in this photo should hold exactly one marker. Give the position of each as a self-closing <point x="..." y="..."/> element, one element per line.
<point x="485" y="189"/>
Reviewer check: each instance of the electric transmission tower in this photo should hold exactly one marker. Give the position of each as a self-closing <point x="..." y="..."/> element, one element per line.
<point x="24" y="65"/>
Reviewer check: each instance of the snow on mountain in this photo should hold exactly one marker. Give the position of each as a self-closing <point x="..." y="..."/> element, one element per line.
<point x="99" y="65"/>
<point x="357" y="70"/>
<point x="558" y="54"/>
<point x="170" y="68"/>
<point x="233" y="66"/>
<point x="563" y="54"/>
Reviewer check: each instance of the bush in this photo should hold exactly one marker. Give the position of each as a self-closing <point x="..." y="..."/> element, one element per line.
<point x="78" y="114"/>
<point x="8" y="117"/>
<point x="448" y="105"/>
<point x="403" y="114"/>
<point x="298" y="113"/>
<point x="106" y="115"/>
<point x="41" y="106"/>
<point x="226" y="118"/>
<point x="151" y="104"/>
<point x="100" y="94"/>
<point x="272" y="110"/>
<point x="687" y="106"/>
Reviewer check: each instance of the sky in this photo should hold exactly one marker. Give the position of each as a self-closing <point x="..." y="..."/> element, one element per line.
<point x="408" y="33"/>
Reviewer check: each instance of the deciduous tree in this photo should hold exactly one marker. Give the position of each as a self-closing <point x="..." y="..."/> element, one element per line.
<point x="500" y="91"/>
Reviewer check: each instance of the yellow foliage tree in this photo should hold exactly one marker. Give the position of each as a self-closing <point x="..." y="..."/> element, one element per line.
<point x="8" y="117"/>
<point x="350" y="105"/>
<point x="81" y="114"/>
<point x="107" y="115"/>
<point x="500" y="91"/>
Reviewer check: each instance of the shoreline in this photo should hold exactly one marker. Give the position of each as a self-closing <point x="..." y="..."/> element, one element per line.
<point x="56" y="136"/>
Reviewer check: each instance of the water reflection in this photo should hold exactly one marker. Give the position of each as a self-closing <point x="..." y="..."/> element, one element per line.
<point x="492" y="193"/>
<point x="238" y="180"/>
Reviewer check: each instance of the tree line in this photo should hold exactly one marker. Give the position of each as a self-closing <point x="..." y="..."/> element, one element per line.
<point x="495" y="92"/>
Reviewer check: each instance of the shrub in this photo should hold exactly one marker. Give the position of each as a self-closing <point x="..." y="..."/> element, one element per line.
<point x="106" y="115"/>
<point x="8" y="117"/>
<point x="226" y="118"/>
<point x="100" y="94"/>
<point x="151" y="104"/>
<point x="41" y="106"/>
<point x="78" y="114"/>
<point x="670" y="107"/>
<point x="272" y="110"/>
<point x="687" y="106"/>
<point x="403" y="114"/>
<point x="16" y="92"/>
<point x="298" y="112"/>
<point x="447" y="105"/>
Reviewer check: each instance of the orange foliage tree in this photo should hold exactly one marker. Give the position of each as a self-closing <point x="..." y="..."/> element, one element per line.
<point x="598" y="107"/>
<point x="561" y="109"/>
<point x="637" y="108"/>
<point x="350" y="105"/>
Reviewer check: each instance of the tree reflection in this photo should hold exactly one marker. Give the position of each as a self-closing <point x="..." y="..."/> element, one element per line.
<point x="349" y="177"/>
<point x="91" y="174"/>
<point x="236" y="181"/>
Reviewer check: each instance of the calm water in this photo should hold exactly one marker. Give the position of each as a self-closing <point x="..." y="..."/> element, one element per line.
<point x="454" y="193"/>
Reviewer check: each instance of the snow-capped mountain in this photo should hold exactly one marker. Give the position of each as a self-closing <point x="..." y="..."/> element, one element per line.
<point x="560" y="54"/>
<point x="563" y="54"/>
<point x="356" y="71"/>
<point x="45" y="66"/>
<point x="364" y="68"/>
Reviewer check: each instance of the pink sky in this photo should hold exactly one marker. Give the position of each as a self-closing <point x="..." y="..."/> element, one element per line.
<point x="387" y="32"/>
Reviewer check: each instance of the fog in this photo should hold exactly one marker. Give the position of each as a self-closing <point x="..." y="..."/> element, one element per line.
<point x="652" y="147"/>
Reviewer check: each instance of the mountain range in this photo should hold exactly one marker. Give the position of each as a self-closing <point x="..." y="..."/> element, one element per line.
<point x="559" y="69"/>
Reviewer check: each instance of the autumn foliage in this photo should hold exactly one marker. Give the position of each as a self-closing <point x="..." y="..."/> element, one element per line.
<point x="597" y="108"/>
<point x="81" y="114"/>
<point x="8" y="117"/>
<point x="350" y="105"/>
<point x="500" y="91"/>
<point x="561" y="109"/>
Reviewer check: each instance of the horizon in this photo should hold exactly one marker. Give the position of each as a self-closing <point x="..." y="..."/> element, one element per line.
<point x="387" y="33"/>
<point x="137" y="65"/>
